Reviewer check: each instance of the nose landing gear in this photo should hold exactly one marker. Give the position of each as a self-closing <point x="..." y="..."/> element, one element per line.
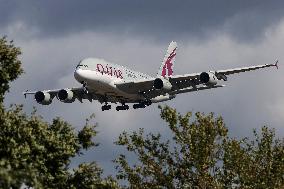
<point x="85" y="89"/>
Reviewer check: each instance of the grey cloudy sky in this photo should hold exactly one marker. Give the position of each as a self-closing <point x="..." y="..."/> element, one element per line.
<point x="55" y="35"/>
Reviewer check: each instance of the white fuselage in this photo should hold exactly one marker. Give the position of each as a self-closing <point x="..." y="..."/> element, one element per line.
<point x="100" y="78"/>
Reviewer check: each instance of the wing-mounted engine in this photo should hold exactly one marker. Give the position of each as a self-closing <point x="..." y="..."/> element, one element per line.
<point x="66" y="96"/>
<point x="208" y="78"/>
<point x="43" y="98"/>
<point x="162" y="84"/>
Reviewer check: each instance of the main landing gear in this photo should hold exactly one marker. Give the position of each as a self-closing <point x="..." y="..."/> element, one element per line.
<point x="142" y="104"/>
<point x="122" y="107"/>
<point x="126" y="107"/>
<point x="106" y="107"/>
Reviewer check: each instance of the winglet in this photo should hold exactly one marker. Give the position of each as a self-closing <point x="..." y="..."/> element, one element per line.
<point x="276" y="64"/>
<point x="25" y="93"/>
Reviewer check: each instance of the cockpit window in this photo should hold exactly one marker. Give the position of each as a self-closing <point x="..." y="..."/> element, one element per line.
<point x="79" y="64"/>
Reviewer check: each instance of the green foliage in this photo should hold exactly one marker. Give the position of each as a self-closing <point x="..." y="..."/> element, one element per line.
<point x="256" y="164"/>
<point x="10" y="65"/>
<point x="89" y="175"/>
<point x="86" y="134"/>
<point x="201" y="155"/>
<point x="37" y="153"/>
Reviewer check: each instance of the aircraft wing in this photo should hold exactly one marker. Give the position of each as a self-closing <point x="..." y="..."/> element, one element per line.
<point x="245" y="69"/>
<point x="136" y="86"/>
<point x="147" y="89"/>
<point x="78" y="93"/>
<point x="219" y="73"/>
<point x="181" y="82"/>
<point x="191" y="89"/>
<point x="52" y="92"/>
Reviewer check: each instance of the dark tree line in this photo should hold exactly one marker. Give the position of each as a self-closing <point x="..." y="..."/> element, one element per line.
<point x="200" y="154"/>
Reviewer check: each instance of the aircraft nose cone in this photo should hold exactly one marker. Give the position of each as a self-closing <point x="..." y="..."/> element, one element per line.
<point x="78" y="75"/>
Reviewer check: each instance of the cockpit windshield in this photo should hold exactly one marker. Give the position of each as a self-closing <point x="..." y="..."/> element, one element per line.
<point x="79" y="64"/>
<point x="82" y="64"/>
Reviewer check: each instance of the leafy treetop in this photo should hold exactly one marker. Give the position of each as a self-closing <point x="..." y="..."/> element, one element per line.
<point x="10" y="65"/>
<point x="200" y="154"/>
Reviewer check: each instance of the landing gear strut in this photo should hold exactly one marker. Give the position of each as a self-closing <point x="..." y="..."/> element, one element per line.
<point x="85" y="87"/>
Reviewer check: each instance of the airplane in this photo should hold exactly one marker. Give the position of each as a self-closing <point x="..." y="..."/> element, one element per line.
<point x="111" y="83"/>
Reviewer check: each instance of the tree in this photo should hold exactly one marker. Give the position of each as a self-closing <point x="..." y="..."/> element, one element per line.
<point x="35" y="153"/>
<point x="10" y="65"/>
<point x="257" y="163"/>
<point x="200" y="154"/>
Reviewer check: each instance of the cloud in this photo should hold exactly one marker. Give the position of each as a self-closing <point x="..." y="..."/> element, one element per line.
<point x="157" y="20"/>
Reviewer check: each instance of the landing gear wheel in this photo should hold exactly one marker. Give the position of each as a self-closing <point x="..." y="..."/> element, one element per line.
<point x="140" y="105"/>
<point x="123" y="107"/>
<point x="148" y="103"/>
<point x="106" y="107"/>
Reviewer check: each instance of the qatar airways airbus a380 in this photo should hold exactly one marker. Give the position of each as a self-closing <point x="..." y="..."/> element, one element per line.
<point x="111" y="83"/>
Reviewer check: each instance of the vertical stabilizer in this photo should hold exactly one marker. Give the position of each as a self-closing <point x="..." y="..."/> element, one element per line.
<point x="166" y="69"/>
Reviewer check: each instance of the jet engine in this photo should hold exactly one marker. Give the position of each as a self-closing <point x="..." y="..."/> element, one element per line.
<point x="66" y="95"/>
<point x="43" y="98"/>
<point x="163" y="84"/>
<point x="208" y="78"/>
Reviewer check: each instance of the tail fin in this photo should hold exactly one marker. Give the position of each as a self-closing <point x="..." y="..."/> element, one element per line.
<point x="166" y="68"/>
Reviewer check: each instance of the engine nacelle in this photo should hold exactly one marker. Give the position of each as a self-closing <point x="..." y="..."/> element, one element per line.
<point x="66" y="95"/>
<point x="43" y="98"/>
<point x="208" y="78"/>
<point x="162" y="98"/>
<point x="162" y="84"/>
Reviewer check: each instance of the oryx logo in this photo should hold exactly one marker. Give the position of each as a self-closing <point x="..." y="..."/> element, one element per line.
<point x="168" y="66"/>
